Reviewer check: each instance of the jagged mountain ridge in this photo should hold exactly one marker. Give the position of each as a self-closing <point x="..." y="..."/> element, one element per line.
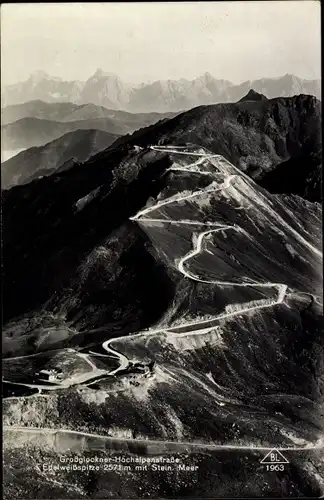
<point x="76" y="146"/>
<point x="107" y="89"/>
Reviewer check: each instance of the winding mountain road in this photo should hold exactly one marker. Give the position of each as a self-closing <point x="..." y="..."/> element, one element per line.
<point x="143" y="217"/>
<point x="230" y="172"/>
<point x="49" y="430"/>
<point x="124" y="362"/>
<point x="224" y="166"/>
<point x="281" y="288"/>
<point x="196" y="327"/>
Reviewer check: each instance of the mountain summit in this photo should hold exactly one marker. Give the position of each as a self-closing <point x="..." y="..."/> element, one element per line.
<point x="252" y="95"/>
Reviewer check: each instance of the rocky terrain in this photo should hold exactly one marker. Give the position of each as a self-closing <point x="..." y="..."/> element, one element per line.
<point x="107" y="89"/>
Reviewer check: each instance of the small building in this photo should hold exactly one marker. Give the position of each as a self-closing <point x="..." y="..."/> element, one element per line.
<point x="53" y="375"/>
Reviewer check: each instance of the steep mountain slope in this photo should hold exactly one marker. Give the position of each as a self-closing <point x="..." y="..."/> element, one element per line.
<point x="300" y="175"/>
<point x="120" y="182"/>
<point x="181" y="303"/>
<point x="44" y="160"/>
<point x="255" y="135"/>
<point x="107" y="89"/>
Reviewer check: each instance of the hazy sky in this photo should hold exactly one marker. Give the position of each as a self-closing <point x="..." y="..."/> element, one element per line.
<point x="148" y="41"/>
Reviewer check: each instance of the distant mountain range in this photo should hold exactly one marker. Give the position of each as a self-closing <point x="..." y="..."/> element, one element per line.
<point x="36" y="123"/>
<point x="30" y="132"/>
<point x="70" y="112"/>
<point x="107" y="89"/>
<point x="57" y="155"/>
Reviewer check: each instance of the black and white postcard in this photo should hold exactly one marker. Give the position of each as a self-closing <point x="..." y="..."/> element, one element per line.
<point x="162" y="250"/>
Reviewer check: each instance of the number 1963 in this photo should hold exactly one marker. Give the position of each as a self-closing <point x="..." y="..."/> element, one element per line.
<point x="275" y="467"/>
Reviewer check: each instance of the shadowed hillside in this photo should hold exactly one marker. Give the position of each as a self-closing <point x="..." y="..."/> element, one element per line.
<point x="44" y="160"/>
